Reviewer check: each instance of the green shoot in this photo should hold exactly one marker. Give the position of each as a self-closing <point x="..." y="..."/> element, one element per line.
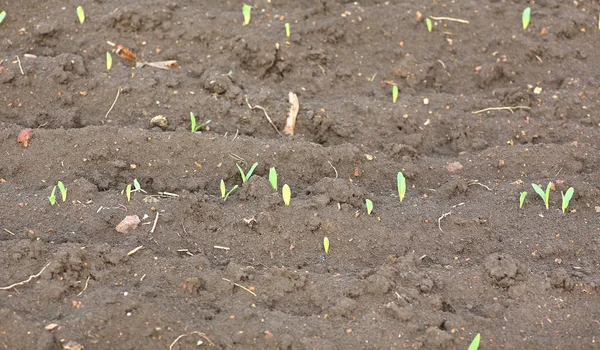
<point x="545" y="195"/>
<point x="128" y="192"/>
<point x="273" y="178"/>
<point x="246" y="9"/>
<point x="429" y="24"/>
<point x="224" y="192"/>
<point x="475" y="343"/>
<point x="248" y="175"/>
<point x="286" y="192"/>
<point x="195" y="127"/>
<point x="566" y="198"/>
<point x="108" y="60"/>
<point x="2" y="15"/>
<point x="222" y="187"/>
<point x="136" y="185"/>
<point x="598" y="20"/>
<point x="287" y="30"/>
<point x="401" y="182"/>
<point x="369" y="205"/>
<point x="526" y="17"/>
<point x="52" y="197"/>
<point x="326" y="244"/>
<point x="80" y="14"/>
<point x="394" y="93"/>
<point x="63" y="191"/>
<point x="522" y="199"/>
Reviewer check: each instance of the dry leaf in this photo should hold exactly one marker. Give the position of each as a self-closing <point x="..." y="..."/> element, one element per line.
<point x="452" y="167"/>
<point x="124" y="53"/>
<point x="290" y="122"/>
<point x="166" y="65"/>
<point x="129" y="223"/>
<point x="25" y="136"/>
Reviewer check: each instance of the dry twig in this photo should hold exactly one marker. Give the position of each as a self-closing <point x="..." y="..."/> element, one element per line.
<point x="449" y="19"/>
<point x="114" y="102"/>
<point x="239" y="285"/>
<point x="154" y="225"/>
<point x="20" y="67"/>
<point x="27" y="280"/>
<point x="84" y="287"/>
<point x="186" y="335"/>
<point x="266" y="115"/>
<point x="500" y="109"/>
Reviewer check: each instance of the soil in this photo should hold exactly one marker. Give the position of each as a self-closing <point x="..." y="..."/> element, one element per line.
<point x="455" y="258"/>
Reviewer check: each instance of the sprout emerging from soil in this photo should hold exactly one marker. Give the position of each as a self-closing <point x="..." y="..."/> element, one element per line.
<point x="52" y="197"/>
<point x="369" y="205"/>
<point x="475" y="343"/>
<point x="80" y="14"/>
<point x="526" y="17"/>
<point x="429" y="24"/>
<point x="2" y="15"/>
<point x="522" y="199"/>
<point x="545" y="195"/>
<point x="246" y="9"/>
<point x="394" y="93"/>
<point x="63" y="191"/>
<point x="326" y="244"/>
<point x="137" y="188"/>
<point x="246" y="176"/>
<point x="286" y="192"/>
<point x="108" y="60"/>
<point x="566" y="198"/>
<point x="287" y="30"/>
<point x="195" y="127"/>
<point x="224" y="193"/>
<point x="401" y="182"/>
<point x="273" y="178"/>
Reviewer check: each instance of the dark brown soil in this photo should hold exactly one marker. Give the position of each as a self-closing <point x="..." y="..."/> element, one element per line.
<point x="457" y="257"/>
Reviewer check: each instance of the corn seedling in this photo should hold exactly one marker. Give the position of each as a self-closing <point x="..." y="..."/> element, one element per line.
<point x="80" y="14"/>
<point x="246" y="176"/>
<point x="287" y="30"/>
<point x="526" y="17"/>
<point x="545" y="195"/>
<point x="246" y="10"/>
<point x="522" y="199"/>
<point x="2" y="15"/>
<point x="224" y="192"/>
<point x="566" y="198"/>
<point x="401" y="182"/>
<point x="369" y="205"/>
<point x="63" y="191"/>
<point x="475" y="343"/>
<point x="326" y="244"/>
<point x="52" y="197"/>
<point x="394" y="93"/>
<point x="286" y="192"/>
<point x="136" y="188"/>
<point x="273" y="178"/>
<point x="128" y="192"/>
<point x="108" y="60"/>
<point x="429" y="24"/>
<point x="195" y="127"/>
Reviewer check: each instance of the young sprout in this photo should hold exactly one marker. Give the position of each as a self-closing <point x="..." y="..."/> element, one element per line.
<point x="545" y="195"/>
<point x="246" y="9"/>
<point x="2" y="15"/>
<point x="475" y="343"/>
<point x="566" y="198"/>
<point x="369" y="205"/>
<point x="128" y="192"/>
<point x="273" y="178"/>
<point x="286" y="192"/>
<point x="63" y="190"/>
<point x="246" y="176"/>
<point x="287" y="30"/>
<point x="108" y="60"/>
<point x="52" y="197"/>
<point x="522" y="199"/>
<point x="526" y="17"/>
<point x="80" y="14"/>
<point x="193" y="123"/>
<point x="326" y="244"/>
<point x="429" y="24"/>
<point x="136" y="185"/>
<point x="401" y="182"/>
<point x="224" y="193"/>
<point x="394" y="93"/>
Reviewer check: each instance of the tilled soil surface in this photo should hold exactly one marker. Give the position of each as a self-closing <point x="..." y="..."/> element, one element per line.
<point x="455" y="258"/>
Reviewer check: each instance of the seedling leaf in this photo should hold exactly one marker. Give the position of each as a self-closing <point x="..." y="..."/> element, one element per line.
<point x="222" y="186"/>
<point x="566" y="198"/>
<point x="526" y="17"/>
<point x="545" y="195"/>
<point x="273" y="178"/>
<point x="194" y="126"/>
<point x="475" y="343"/>
<point x="136" y="185"/>
<point x="2" y="15"/>
<point x="52" y="197"/>
<point x="326" y="244"/>
<point x="287" y="30"/>
<point x="108" y="60"/>
<point x="246" y="10"/>
<point x="249" y="173"/>
<point x="369" y="205"/>
<point x="401" y="182"/>
<point x="80" y="14"/>
<point x="128" y="192"/>
<point x="286" y="192"/>
<point x="522" y="199"/>
<point x="394" y="93"/>
<point x="63" y="191"/>
<point x="429" y="24"/>
<point x="230" y="192"/>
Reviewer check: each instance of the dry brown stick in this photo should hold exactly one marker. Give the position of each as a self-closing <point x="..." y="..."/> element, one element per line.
<point x="27" y="280"/>
<point x="5" y="229"/>
<point x="20" y="67"/>
<point x="84" y="287"/>
<point x="186" y="335"/>
<point x="449" y="19"/>
<point x="266" y="115"/>
<point x="154" y="225"/>
<point x="500" y="109"/>
<point x="114" y="102"/>
<point x="239" y="285"/>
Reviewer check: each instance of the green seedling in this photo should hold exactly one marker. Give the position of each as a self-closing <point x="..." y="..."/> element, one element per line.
<point x="429" y="24"/>
<point x="522" y="199"/>
<point x="63" y="190"/>
<point x="394" y="93"/>
<point x="286" y="192"/>
<point x="224" y="192"/>
<point x="326" y="244"/>
<point x="128" y="192"/>
<point x="526" y="17"/>
<point x="246" y="11"/>
<point x="401" y="182"/>
<point x="273" y="178"/>
<point x="195" y="127"/>
<point x="80" y="14"/>
<point x="52" y="197"/>
<point x="246" y="176"/>
<point x="369" y="205"/>
<point x="108" y="60"/>
<point x="136" y="188"/>
<point x="598" y="20"/>
<point x="2" y="15"/>
<point x="287" y="30"/>
<point x="566" y="198"/>
<point x="545" y="195"/>
<point x="475" y="343"/>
